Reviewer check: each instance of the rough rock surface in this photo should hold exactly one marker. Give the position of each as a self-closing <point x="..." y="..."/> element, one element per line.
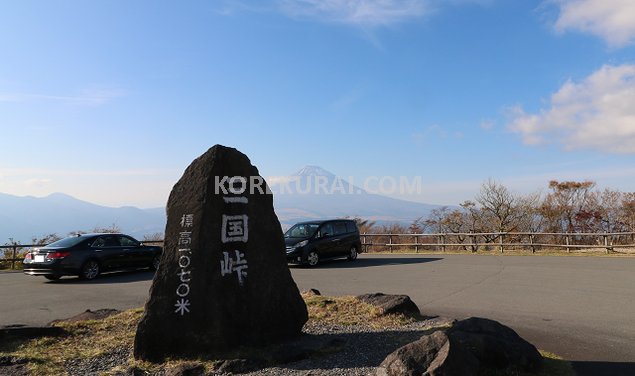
<point x="434" y="355"/>
<point x="471" y="347"/>
<point x="390" y="304"/>
<point x="223" y="281"/>
<point x="495" y="345"/>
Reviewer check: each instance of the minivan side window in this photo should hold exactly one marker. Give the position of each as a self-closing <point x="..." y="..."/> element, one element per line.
<point x="350" y="227"/>
<point x="340" y="228"/>
<point x="326" y="229"/>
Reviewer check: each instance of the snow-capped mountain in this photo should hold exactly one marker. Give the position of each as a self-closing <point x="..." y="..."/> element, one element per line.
<point x="315" y="193"/>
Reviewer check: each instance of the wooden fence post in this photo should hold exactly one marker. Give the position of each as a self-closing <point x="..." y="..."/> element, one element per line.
<point x="531" y="241"/>
<point x="390" y="243"/>
<point x="364" y="245"/>
<point x="416" y="244"/>
<point x="15" y="250"/>
<point x="568" y="242"/>
<point x="472" y="247"/>
<point x="606" y="243"/>
<point x="502" y="240"/>
<point x="442" y="239"/>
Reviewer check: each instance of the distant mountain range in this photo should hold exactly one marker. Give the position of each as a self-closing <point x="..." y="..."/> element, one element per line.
<point x="295" y="199"/>
<point x="22" y="218"/>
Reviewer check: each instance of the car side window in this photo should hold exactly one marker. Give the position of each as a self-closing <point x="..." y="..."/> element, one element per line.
<point x="128" y="242"/>
<point x="339" y="228"/>
<point x="106" y="241"/>
<point x="326" y="230"/>
<point x="350" y="227"/>
<point x="99" y="242"/>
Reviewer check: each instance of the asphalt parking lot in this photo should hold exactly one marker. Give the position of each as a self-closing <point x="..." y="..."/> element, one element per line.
<point x="582" y="308"/>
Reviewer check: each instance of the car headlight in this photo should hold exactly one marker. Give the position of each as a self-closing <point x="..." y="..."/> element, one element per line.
<point x="301" y="244"/>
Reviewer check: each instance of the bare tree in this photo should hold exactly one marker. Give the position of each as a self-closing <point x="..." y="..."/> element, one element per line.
<point x="500" y="206"/>
<point x="47" y="239"/>
<point x="566" y="200"/>
<point x="155" y="237"/>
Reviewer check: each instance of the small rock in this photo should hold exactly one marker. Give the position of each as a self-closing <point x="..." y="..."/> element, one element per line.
<point x="312" y="292"/>
<point x="391" y="303"/>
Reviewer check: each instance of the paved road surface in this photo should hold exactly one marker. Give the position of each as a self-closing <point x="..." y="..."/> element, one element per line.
<point x="582" y="308"/>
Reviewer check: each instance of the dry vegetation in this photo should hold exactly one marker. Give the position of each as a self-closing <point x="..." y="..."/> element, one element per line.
<point x="95" y="339"/>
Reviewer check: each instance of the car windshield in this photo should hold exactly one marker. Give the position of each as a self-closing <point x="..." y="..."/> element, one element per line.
<point x="67" y="242"/>
<point x="303" y="230"/>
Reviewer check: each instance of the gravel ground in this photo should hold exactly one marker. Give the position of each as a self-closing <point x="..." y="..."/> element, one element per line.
<point x="363" y="349"/>
<point x="335" y="350"/>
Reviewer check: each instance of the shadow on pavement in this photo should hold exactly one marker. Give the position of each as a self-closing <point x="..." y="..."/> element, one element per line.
<point x="109" y="278"/>
<point x="370" y="262"/>
<point x="583" y="368"/>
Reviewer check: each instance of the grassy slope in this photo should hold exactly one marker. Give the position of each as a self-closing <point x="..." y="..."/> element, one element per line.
<point x="95" y="338"/>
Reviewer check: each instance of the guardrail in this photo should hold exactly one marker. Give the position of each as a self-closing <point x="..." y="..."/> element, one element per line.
<point x="571" y="241"/>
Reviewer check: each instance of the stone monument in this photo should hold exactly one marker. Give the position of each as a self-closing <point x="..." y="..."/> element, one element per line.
<point x="223" y="281"/>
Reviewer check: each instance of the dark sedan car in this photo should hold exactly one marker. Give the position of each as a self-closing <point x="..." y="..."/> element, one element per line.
<point x="88" y="255"/>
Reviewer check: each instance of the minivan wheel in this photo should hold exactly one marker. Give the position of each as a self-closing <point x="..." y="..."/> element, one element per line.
<point x="90" y="270"/>
<point x="312" y="258"/>
<point x="352" y="254"/>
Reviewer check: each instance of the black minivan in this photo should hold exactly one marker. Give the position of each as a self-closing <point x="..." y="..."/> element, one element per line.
<point x="310" y="242"/>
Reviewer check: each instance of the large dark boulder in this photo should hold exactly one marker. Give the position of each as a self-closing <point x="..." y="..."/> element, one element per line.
<point x="223" y="281"/>
<point x="474" y="346"/>
<point x="495" y="345"/>
<point x="391" y="303"/>
<point x="432" y="355"/>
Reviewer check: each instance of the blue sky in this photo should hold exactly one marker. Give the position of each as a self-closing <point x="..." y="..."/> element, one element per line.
<point x="109" y="101"/>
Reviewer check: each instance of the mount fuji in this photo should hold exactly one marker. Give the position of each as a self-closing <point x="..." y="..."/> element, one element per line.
<point x="315" y="193"/>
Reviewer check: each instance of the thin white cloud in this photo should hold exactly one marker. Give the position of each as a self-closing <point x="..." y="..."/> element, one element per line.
<point x="36" y="183"/>
<point x="487" y="124"/>
<point x="612" y="20"/>
<point x="93" y="97"/>
<point x="595" y="113"/>
<point x="366" y="13"/>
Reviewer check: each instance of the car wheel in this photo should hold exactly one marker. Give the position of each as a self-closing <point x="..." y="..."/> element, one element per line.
<point x="352" y="254"/>
<point x="90" y="270"/>
<point x="53" y="277"/>
<point x="155" y="262"/>
<point x="312" y="259"/>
